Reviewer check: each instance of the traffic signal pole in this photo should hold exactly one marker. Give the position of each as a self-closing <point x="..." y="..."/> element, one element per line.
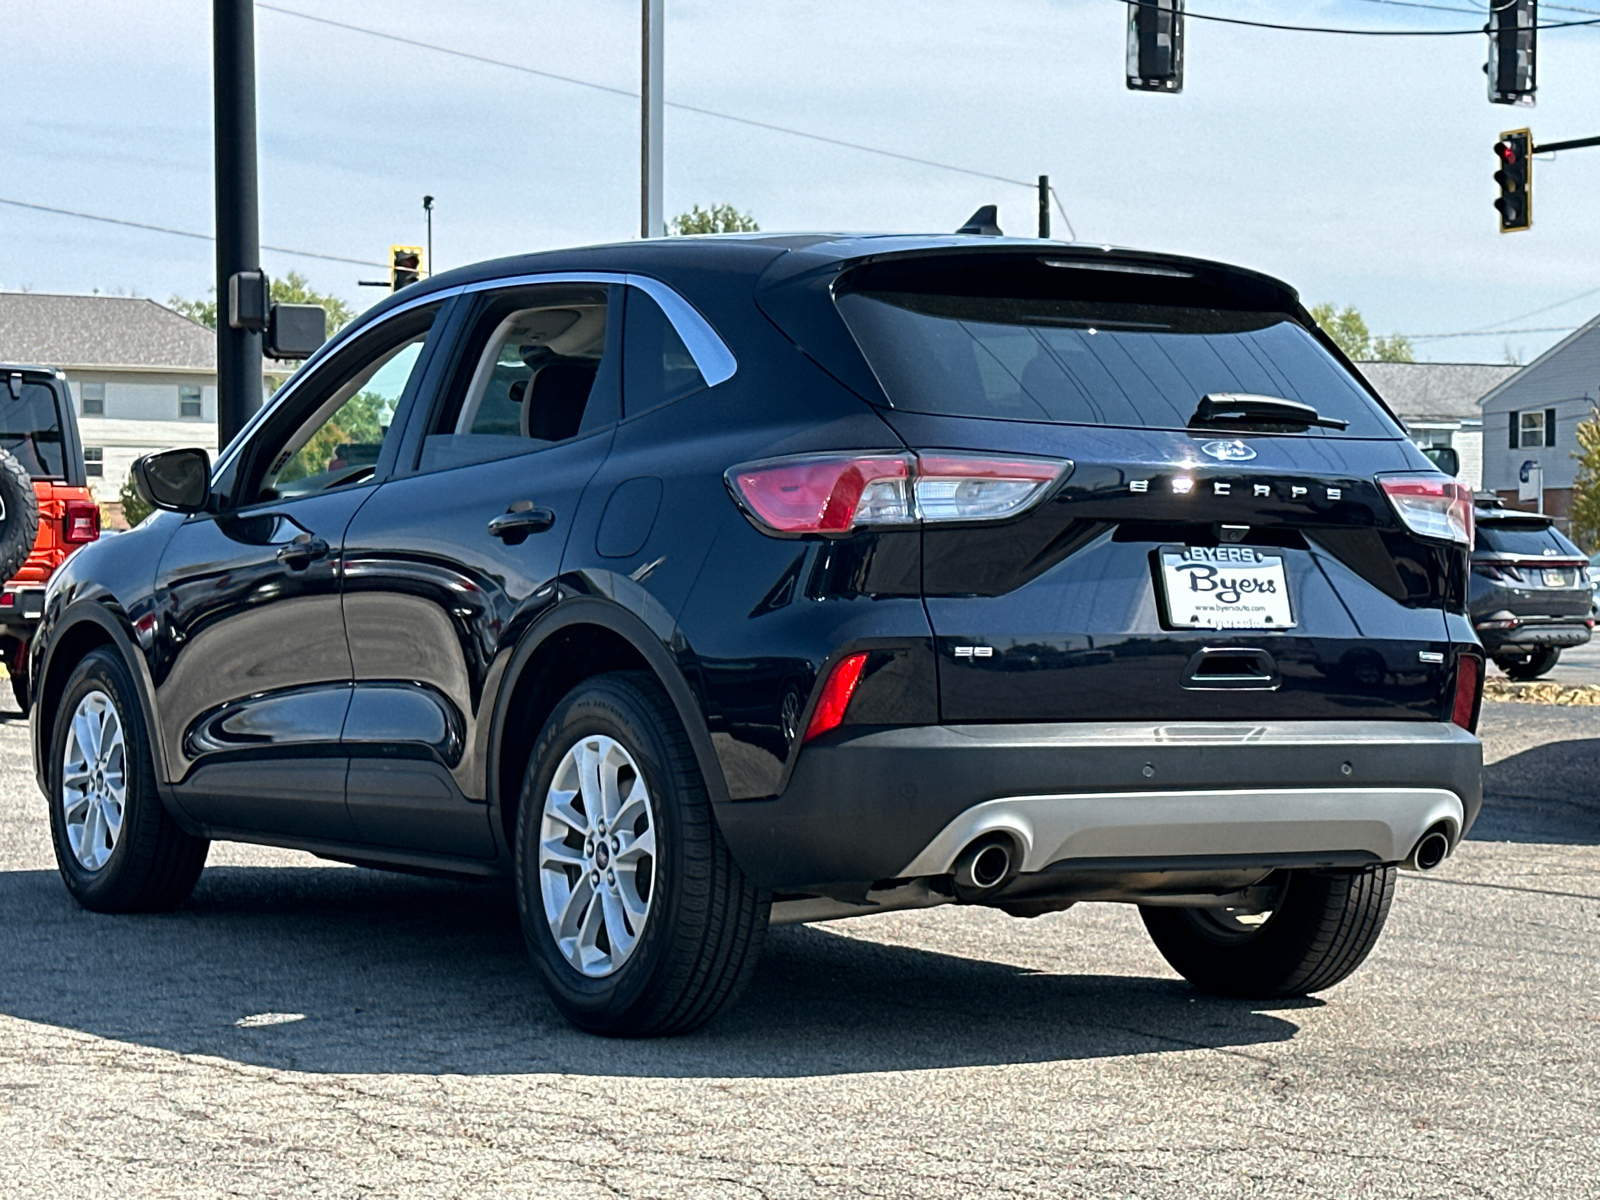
<point x="652" y="218"/>
<point x="238" y="216"/>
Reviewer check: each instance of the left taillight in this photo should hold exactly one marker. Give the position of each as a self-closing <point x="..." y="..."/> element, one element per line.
<point x="1431" y="506"/>
<point x="80" y="522"/>
<point x="840" y="493"/>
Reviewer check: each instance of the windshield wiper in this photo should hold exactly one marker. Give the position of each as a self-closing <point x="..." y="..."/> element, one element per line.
<point x="1222" y="409"/>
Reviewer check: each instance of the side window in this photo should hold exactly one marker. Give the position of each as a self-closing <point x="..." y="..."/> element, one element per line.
<point x="347" y="419"/>
<point x="538" y="366"/>
<point x="657" y="366"/>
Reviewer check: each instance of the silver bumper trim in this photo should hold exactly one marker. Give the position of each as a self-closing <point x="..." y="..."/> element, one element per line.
<point x="1383" y="822"/>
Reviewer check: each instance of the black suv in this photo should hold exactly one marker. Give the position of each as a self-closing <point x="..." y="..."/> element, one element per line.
<point x="706" y="584"/>
<point x="1531" y="597"/>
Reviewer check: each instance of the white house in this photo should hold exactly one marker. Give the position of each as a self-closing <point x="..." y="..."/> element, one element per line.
<point x="1439" y="404"/>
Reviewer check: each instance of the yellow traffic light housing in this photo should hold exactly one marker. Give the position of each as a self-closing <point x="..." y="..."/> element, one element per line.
<point x="1515" y="177"/>
<point x="405" y="266"/>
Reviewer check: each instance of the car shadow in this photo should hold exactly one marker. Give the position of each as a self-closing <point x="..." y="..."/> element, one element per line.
<point x="1549" y="793"/>
<point x="352" y="971"/>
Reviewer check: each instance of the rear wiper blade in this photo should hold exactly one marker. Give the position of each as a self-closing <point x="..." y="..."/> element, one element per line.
<point x="1242" y="408"/>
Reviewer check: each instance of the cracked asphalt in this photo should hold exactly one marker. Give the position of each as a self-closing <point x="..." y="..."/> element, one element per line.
<point x="395" y="1042"/>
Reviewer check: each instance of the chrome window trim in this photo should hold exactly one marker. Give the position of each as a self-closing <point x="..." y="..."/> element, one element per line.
<point x="710" y="353"/>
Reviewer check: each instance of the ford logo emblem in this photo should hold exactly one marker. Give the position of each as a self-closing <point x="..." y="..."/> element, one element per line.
<point x="1232" y="451"/>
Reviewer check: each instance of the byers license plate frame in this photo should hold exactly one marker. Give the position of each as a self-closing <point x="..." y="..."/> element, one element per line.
<point x="1223" y="587"/>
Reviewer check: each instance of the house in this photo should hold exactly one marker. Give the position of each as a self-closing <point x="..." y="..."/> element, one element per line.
<point x="1529" y="422"/>
<point x="1439" y="404"/>
<point x="143" y="377"/>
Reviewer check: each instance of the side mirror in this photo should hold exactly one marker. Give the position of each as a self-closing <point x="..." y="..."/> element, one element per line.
<point x="174" y="480"/>
<point x="1445" y="458"/>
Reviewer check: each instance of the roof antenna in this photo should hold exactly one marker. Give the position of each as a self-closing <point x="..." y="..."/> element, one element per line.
<point x="984" y="223"/>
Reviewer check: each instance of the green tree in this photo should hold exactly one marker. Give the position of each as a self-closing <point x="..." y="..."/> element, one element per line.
<point x="360" y="421"/>
<point x="134" y="509"/>
<point x="1349" y="330"/>
<point x="293" y="288"/>
<point x="719" y="218"/>
<point x="1586" y="487"/>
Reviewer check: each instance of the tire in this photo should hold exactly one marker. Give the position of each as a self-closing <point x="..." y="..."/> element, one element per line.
<point x="703" y="922"/>
<point x="1524" y="667"/>
<point x="147" y="863"/>
<point x="1321" y="929"/>
<point x="19" y="516"/>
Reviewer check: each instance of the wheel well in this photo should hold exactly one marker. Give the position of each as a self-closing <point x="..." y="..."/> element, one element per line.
<point x="563" y="660"/>
<point x="68" y="653"/>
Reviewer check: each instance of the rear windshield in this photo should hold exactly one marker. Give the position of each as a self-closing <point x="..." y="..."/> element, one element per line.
<point x="30" y="427"/>
<point x="1085" y="362"/>
<point x="1537" y="540"/>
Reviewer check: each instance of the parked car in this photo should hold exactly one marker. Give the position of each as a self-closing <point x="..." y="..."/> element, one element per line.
<point x="1532" y="595"/>
<point x="706" y="584"/>
<point x="39" y="433"/>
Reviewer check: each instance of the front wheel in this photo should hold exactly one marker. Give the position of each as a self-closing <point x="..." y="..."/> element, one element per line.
<point x="1524" y="667"/>
<point x="1320" y="927"/>
<point x="117" y="847"/>
<point x="633" y="909"/>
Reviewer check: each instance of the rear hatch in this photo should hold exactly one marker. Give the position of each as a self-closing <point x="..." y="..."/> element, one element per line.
<point x="1241" y="561"/>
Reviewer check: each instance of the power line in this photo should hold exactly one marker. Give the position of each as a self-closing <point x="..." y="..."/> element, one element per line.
<point x="1524" y="316"/>
<point x="632" y="95"/>
<point x="1484" y="333"/>
<point x="1478" y="32"/>
<point x="204" y="237"/>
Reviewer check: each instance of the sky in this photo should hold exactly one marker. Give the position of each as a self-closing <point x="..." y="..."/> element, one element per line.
<point x="1356" y="168"/>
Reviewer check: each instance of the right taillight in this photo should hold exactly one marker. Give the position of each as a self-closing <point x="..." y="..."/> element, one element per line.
<point x="1431" y="506"/>
<point x="840" y="493"/>
<point x="1469" y="674"/>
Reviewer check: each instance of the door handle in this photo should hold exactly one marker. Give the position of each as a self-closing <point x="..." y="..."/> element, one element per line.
<point x="302" y="551"/>
<point x="521" y="519"/>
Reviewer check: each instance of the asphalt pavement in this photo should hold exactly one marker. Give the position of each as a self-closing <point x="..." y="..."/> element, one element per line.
<point x="1577" y="666"/>
<point x="305" y="1029"/>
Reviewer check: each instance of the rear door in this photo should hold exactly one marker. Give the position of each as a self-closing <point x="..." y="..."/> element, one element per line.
<point x="1187" y="569"/>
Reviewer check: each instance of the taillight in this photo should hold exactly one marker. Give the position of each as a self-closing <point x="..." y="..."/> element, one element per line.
<point x="836" y="695"/>
<point x="1469" y="671"/>
<point x="81" y="522"/>
<point x="839" y="493"/>
<point x="1431" y="506"/>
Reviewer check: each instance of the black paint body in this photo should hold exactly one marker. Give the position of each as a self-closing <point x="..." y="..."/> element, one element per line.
<point x="371" y="691"/>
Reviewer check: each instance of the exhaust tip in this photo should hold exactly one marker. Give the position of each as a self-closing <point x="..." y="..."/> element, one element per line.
<point x="984" y="867"/>
<point x="1431" y="849"/>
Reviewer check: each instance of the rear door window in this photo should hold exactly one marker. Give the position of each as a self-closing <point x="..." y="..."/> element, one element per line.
<point x="1084" y="362"/>
<point x="30" y="428"/>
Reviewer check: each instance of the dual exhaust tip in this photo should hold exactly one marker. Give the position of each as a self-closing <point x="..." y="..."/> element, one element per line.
<point x="985" y="867"/>
<point x="1432" y="848"/>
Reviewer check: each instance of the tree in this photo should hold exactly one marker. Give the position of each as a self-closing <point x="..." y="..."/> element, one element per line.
<point x="293" y="288"/>
<point x="1585" y="528"/>
<point x="134" y="509"/>
<point x="719" y="218"/>
<point x="1349" y="330"/>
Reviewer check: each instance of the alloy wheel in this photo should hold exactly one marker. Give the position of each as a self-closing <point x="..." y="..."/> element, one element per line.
<point x="94" y="782"/>
<point x="597" y="855"/>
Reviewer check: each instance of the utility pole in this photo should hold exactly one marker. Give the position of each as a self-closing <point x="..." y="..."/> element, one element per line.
<point x="427" y="207"/>
<point x="1044" y="206"/>
<point x="651" y="218"/>
<point x="238" y="218"/>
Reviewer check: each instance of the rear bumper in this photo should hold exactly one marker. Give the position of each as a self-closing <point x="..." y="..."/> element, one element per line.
<point x="22" y="607"/>
<point x="900" y="803"/>
<point x="1537" y="635"/>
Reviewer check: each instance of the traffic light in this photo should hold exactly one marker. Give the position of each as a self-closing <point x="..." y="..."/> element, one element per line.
<point x="405" y="266"/>
<point x="1515" y="177"/>
<point x="1155" y="45"/>
<point x="1513" y="38"/>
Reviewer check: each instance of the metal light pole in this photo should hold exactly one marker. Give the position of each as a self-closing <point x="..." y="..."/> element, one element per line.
<point x="651" y="218"/>
<point x="427" y="207"/>
<point x="238" y="220"/>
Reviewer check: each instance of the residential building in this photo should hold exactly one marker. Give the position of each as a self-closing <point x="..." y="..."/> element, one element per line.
<point x="143" y="377"/>
<point x="1529" y="422"/>
<point x="1439" y="404"/>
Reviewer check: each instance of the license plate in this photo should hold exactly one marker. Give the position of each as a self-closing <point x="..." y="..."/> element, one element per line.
<point x="1224" y="587"/>
<point x="1555" y="579"/>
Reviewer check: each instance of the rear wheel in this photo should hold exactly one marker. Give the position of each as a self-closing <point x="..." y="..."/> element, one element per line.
<point x="1523" y="667"/>
<point x="640" y="921"/>
<point x="117" y="847"/>
<point x="1320" y="927"/>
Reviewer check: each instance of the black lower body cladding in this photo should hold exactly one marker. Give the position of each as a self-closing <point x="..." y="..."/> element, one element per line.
<point x="867" y="805"/>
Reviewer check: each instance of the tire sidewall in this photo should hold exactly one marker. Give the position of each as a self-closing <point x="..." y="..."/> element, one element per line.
<point x="606" y="707"/>
<point x="102" y="671"/>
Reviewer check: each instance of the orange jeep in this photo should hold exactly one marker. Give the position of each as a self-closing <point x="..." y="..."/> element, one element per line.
<point x="46" y="510"/>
